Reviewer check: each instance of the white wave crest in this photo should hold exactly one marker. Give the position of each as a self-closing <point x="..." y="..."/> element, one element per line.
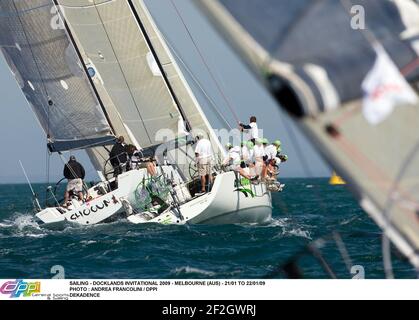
<point x="87" y="242"/>
<point x="299" y="233"/>
<point x="26" y="221"/>
<point x="22" y="225"/>
<point x="191" y="270"/>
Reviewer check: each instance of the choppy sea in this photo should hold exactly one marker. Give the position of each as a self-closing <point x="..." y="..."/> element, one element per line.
<point x="308" y="210"/>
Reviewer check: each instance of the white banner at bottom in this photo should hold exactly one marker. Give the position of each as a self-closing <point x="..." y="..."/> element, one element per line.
<point x="208" y="289"/>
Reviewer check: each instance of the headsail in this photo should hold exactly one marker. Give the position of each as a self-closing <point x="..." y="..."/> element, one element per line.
<point x="190" y="106"/>
<point x="313" y="56"/>
<point x="48" y="70"/>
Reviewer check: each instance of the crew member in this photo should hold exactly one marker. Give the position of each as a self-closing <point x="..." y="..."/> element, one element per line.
<point x="252" y="127"/>
<point x="204" y="156"/>
<point x="235" y="162"/>
<point x="74" y="173"/>
<point x="259" y="154"/>
<point x="272" y="151"/>
<point x="272" y="169"/>
<point x="137" y="161"/>
<point x="119" y="157"/>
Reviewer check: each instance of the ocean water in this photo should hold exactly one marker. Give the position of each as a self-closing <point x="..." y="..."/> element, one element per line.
<point x="307" y="210"/>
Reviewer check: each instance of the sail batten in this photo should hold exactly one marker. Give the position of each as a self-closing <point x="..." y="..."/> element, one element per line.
<point x="60" y="146"/>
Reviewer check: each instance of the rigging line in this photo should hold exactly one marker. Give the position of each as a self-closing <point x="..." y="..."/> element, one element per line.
<point x="9" y="46"/>
<point x="197" y="82"/>
<point x="389" y="206"/>
<point x="315" y="251"/>
<point x="47" y="167"/>
<point x="230" y="106"/>
<point x="387" y="256"/>
<point x="343" y="250"/>
<point x="122" y="71"/>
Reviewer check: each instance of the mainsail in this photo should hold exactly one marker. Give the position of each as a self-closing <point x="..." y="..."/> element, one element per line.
<point x="114" y="44"/>
<point x="120" y="42"/>
<point x="313" y="56"/>
<point x="47" y="67"/>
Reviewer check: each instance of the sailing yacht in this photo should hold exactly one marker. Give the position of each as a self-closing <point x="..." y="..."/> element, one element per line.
<point x="96" y="70"/>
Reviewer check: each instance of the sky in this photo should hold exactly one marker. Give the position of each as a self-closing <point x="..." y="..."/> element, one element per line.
<point x="21" y="137"/>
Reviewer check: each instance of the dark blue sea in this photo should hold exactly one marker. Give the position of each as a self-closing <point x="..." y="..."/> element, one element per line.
<point x="308" y="210"/>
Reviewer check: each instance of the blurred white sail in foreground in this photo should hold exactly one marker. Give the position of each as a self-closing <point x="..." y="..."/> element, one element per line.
<point x="278" y="39"/>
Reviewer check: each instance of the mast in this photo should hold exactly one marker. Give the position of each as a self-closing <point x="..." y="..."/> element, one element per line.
<point x="164" y="75"/>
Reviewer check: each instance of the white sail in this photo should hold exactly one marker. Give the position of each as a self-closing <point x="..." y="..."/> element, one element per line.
<point x="282" y="40"/>
<point x="138" y="73"/>
<point x="47" y="67"/>
<point x="192" y="110"/>
<point x="111" y="39"/>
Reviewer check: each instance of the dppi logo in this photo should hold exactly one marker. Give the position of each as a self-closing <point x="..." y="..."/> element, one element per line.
<point x="20" y="287"/>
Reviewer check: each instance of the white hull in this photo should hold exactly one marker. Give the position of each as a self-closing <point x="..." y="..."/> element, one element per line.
<point x="225" y="204"/>
<point x="101" y="209"/>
